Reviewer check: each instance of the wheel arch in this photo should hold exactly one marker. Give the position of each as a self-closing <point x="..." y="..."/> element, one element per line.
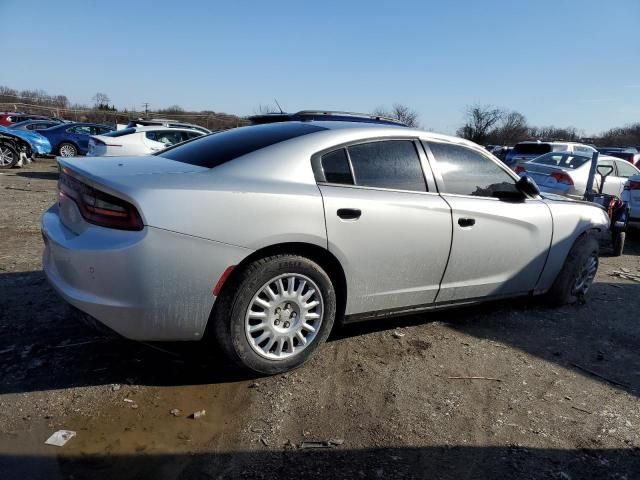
<point x="321" y="256"/>
<point x="62" y="142"/>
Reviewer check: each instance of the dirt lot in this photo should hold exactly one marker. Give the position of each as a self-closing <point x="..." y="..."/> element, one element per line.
<point x="564" y="405"/>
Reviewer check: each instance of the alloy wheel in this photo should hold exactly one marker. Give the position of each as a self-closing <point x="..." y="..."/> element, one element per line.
<point x="586" y="275"/>
<point x="67" y="150"/>
<point x="6" y="157"/>
<point x="284" y="316"/>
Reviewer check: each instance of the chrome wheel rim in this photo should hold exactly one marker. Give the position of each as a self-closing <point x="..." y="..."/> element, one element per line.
<point x="67" y="151"/>
<point x="586" y="275"/>
<point x="284" y="316"/>
<point x="6" y="157"/>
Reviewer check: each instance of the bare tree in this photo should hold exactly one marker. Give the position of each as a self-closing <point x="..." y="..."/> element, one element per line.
<point x="480" y="121"/>
<point x="100" y="99"/>
<point x="399" y="112"/>
<point x="512" y="128"/>
<point x="265" y="109"/>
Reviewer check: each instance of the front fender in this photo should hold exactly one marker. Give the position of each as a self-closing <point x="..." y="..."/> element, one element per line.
<point x="570" y="220"/>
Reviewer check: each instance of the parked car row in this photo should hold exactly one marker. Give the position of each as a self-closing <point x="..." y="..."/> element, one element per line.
<point x="24" y="136"/>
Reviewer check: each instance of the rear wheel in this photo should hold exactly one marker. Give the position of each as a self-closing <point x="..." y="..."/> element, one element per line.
<point x="67" y="149"/>
<point x="618" y="238"/>
<point x="578" y="272"/>
<point x="276" y="314"/>
<point x="8" y="155"/>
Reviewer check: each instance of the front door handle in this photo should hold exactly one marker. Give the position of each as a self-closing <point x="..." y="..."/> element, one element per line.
<point x="466" y="222"/>
<point x="349" y="213"/>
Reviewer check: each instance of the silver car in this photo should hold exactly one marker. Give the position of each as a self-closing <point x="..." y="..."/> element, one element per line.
<point x="259" y="238"/>
<point x="565" y="173"/>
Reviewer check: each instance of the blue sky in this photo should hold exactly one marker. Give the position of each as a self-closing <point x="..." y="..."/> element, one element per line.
<point x="560" y="62"/>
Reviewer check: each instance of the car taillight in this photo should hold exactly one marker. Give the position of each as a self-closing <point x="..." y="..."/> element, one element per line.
<point x="634" y="185"/>
<point x="98" y="207"/>
<point x="562" y="177"/>
<point x="519" y="169"/>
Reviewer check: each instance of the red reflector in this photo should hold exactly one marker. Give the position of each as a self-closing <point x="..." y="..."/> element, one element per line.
<point x="223" y="278"/>
<point x="519" y="169"/>
<point x="634" y="185"/>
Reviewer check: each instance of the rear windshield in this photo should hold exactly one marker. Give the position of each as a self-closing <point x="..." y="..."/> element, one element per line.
<point x="532" y="148"/>
<point x="562" y="160"/>
<point x="218" y="148"/>
<point x="120" y="133"/>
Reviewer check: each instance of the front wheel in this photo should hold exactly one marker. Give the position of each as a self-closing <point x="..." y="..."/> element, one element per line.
<point x="67" y="149"/>
<point x="578" y="272"/>
<point x="8" y="156"/>
<point x="277" y="313"/>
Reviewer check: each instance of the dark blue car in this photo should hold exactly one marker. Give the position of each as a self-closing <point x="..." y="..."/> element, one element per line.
<point x="71" y="139"/>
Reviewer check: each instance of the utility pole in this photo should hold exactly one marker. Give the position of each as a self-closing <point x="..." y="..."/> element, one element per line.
<point x="146" y="108"/>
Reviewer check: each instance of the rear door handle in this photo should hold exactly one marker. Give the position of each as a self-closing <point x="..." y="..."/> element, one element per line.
<point x="349" y="213"/>
<point x="466" y="222"/>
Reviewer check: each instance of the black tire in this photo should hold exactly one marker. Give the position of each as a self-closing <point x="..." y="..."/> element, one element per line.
<point x="67" y="149"/>
<point x="565" y="288"/>
<point x="10" y="155"/>
<point x="228" y="318"/>
<point x="617" y="239"/>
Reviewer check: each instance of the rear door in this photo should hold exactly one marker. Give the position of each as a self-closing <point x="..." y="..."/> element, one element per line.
<point x="385" y="222"/>
<point x="499" y="247"/>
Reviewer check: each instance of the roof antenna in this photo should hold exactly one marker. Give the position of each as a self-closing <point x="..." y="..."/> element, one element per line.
<point x="275" y="100"/>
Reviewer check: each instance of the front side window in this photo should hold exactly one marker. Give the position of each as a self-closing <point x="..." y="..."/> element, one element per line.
<point x="467" y="172"/>
<point x="392" y="164"/>
<point x="335" y="166"/>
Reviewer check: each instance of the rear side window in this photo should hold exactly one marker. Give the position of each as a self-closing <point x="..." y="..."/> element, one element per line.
<point x="390" y="164"/>
<point x="467" y="172"/>
<point x="212" y="150"/>
<point x="625" y="169"/>
<point x="335" y="166"/>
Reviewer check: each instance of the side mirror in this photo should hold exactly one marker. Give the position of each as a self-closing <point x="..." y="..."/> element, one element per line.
<point x="528" y="186"/>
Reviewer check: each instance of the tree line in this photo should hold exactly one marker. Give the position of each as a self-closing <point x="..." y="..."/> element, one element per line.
<point x="490" y="125"/>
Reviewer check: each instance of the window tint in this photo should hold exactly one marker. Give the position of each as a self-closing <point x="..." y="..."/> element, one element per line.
<point x="389" y="164"/>
<point x="467" y="172"/>
<point x="625" y="169"/>
<point x="335" y="166"/>
<point x="82" y="130"/>
<point x="213" y="150"/>
<point x="167" y="137"/>
<point x="193" y="134"/>
<point x="532" y="148"/>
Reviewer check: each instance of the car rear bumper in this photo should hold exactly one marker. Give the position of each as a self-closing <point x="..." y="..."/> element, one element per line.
<point x="147" y="285"/>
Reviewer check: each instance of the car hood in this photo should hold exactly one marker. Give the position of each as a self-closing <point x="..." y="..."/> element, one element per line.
<point x="551" y="198"/>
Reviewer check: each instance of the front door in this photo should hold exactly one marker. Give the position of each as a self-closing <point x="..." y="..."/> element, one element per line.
<point x="499" y="246"/>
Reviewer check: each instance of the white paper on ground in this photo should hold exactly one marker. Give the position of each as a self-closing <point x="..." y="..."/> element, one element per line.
<point x="60" y="437"/>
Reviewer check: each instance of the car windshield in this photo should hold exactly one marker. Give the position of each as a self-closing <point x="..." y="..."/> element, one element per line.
<point x="213" y="150"/>
<point x="532" y="148"/>
<point x="561" y="160"/>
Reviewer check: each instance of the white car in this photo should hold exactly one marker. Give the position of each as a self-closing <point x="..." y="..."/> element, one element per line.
<point x="134" y="141"/>
<point x="631" y="194"/>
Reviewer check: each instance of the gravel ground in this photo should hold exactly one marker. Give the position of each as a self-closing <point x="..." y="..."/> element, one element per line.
<point x="559" y="398"/>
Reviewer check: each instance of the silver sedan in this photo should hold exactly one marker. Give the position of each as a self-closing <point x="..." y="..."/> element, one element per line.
<point x="566" y="173"/>
<point x="259" y="238"/>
